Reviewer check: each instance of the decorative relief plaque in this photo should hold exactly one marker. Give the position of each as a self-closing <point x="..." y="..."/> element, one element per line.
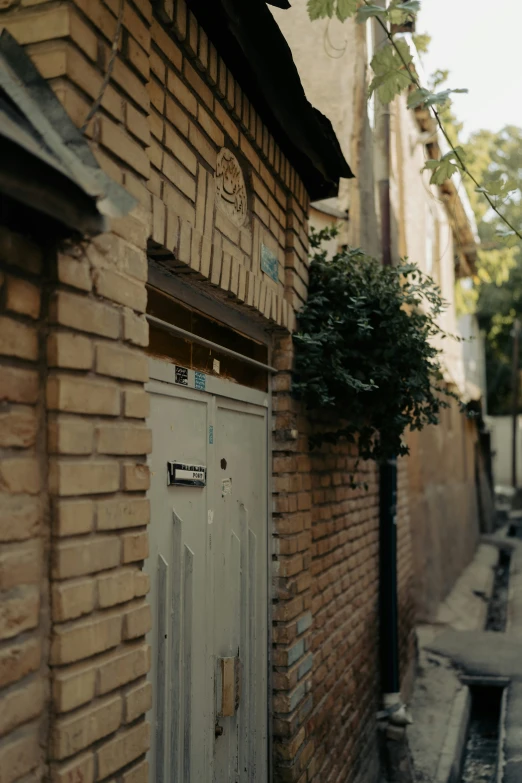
<point x="230" y="187"/>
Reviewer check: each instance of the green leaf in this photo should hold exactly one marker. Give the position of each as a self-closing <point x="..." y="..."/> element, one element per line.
<point x="319" y="9"/>
<point x="457" y="152"/>
<point x="422" y="97"/>
<point x="422" y="42"/>
<point x="417" y="98"/>
<point x="364" y="351"/>
<point x="399" y="13"/>
<point x="389" y="85"/>
<point x="442" y="169"/>
<point x="498" y="187"/>
<point x="411" y="6"/>
<point x="346" y="8"/>
<point x="391" y="74"/>
<point x="366" y="11"/>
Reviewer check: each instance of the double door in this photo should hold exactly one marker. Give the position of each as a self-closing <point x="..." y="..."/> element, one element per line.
<point x="208" y="564"/>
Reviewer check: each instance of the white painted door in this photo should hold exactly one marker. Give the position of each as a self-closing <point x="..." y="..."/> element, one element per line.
<point x="208" y="568"/>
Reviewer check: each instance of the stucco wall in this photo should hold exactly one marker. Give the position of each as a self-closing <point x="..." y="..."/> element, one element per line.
<point x="501" y="445"/>
<point x="443" y="506"/>
<point x="332" y="61"/>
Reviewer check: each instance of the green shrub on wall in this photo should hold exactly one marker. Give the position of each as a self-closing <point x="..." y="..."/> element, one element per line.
<point x="364" y="349"/>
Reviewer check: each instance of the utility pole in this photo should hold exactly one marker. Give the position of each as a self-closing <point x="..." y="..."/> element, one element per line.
<point x="514" y="401"/>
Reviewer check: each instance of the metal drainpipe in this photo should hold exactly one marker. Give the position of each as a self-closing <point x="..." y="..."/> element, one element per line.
<point x="394" y="709"/>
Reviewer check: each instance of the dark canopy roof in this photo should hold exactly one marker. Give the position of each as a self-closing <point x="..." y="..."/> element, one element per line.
<point x="254" y="48"/>
<point x="46" y="162"/>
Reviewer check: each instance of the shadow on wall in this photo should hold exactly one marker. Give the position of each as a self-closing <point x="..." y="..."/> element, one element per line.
<point x="444" y="509"/>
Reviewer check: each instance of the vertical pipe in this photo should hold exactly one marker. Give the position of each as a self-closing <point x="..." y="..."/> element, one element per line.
<point x="389" y="615"/>
<point x="388" y="619"/>
<point x="514" y="402"/>
<point x="384" y="131"/>
<point x="382" y="155"/>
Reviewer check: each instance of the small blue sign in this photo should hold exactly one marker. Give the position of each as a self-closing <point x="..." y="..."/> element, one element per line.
<point x="269" y="263"/>
<point x="211" y="434"/>
<point x="200" y="381"/>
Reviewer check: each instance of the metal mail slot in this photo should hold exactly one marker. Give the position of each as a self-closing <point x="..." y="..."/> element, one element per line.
<point x="182" y="474"/>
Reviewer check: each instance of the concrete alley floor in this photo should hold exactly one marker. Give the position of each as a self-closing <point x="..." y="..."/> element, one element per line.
<point x="455" y="645"/>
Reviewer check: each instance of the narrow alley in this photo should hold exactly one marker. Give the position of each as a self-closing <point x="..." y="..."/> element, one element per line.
<point x="260" y="396"/>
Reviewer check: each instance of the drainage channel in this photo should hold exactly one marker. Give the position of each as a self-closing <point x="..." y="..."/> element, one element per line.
<point x="481" y="754"/>
<point x="481" y="757"/>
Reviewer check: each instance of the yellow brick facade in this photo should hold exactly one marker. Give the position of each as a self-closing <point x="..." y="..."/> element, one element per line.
<point x="73" y="480"/>
<point x="24" y="528"/>
<point x="73" y="364"/>
<point x="170" y="106"/>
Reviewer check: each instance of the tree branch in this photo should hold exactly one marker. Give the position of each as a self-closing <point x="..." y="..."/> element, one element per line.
<point x="414" y="80"/>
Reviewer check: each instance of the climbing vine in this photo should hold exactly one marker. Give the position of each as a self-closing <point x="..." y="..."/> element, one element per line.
<point x="394" y="72"/>
<point x="364" y="349"/>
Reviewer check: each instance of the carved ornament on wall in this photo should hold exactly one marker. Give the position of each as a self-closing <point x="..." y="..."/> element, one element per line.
<point x="231" y="190"/>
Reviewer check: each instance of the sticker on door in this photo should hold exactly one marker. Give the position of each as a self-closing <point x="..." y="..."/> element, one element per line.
<point x="181" y="375"/>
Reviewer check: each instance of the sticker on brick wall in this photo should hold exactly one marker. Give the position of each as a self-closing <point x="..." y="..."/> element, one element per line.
<point x="181" y="375"/>
<point x="231" y="193"/>
<point x="269" y="263"/>
<point x="200" y="381"/>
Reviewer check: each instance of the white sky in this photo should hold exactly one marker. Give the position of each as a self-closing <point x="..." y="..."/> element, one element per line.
<point x="480" y="43"/>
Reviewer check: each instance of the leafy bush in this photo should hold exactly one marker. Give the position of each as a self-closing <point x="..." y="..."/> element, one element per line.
<point x="364" y="349"/>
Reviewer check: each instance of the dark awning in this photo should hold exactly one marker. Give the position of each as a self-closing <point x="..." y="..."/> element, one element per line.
<point x="254" y="48"/>
<point x="46" y="162"/>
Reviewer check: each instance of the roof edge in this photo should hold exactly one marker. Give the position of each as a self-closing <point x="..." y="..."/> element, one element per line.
<point x="35" y="100"/>
<point x="255" y="50"/>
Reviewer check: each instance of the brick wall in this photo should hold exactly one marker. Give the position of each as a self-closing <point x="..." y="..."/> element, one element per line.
<point x="97" y="443"/>
<point x="325" y="634"/>
<point x="196" y="108"/>
<point x="170" y="105"/>
<point x="326" y="611"/>
<point x="406" y="522"/>
<point x="24" y="518"/>
<point x="73" y="511"/>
